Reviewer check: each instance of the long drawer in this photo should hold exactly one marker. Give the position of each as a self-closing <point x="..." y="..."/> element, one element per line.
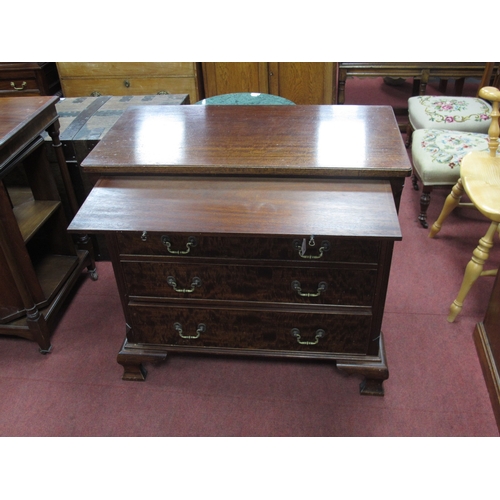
<point x="107" y="69"/>
<point x="194" y="328"/>
<point x="275" y="282"/>
<point x="129" y="86"/>
<point x="317" y="249"/>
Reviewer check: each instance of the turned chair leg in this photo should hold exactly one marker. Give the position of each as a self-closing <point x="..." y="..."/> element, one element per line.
<point x="409" y="133"/>
<point x="425" y="200"/>
<point x="452" y="201"/>
<point x="473" y="270"/>
<point x="414" y="181"/>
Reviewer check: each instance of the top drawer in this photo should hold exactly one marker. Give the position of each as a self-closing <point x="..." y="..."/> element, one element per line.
<point x="24" y="82"/>
<point x="190" y="246"/>
<point x="109" y="69"/>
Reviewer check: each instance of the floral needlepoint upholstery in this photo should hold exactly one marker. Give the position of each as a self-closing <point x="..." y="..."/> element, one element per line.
<point x="467" y="114"/>
<point x="437" y="154"/>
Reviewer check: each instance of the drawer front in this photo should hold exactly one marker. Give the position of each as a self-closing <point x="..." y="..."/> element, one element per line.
<point x="195" y="328"/>
<point x="347" y="250"/>
<point x="272" y="283"/>
<point x="19" y="85"/>
<point x="129" y="86"/>
<point x="108" y="69"/>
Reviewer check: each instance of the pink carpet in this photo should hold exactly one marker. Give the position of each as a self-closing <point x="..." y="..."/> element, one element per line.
<point x="435" y="388"/>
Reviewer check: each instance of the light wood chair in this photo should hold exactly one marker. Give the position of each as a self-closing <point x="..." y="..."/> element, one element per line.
<point x="480" y="180"/>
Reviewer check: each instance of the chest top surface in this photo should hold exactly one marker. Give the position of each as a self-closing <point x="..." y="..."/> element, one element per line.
<point x="318" y="141"/>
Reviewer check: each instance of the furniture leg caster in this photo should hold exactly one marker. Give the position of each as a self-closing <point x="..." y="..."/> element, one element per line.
<point x="423" y="221"/>
<point x="94" y="275"/>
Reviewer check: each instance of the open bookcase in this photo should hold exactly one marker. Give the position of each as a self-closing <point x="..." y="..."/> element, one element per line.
<point x="39" y="262"/>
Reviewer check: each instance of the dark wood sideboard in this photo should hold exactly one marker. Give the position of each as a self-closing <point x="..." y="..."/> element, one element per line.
<point x="251" y="230"/>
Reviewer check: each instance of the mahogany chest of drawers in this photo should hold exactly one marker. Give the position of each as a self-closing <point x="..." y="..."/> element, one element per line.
<point x="249" y="266"/>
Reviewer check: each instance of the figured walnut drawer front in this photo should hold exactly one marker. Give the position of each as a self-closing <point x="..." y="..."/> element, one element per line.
<point x="233" y="247"/>
<point x="272" y="283"/>
<point x="192" y="328"/>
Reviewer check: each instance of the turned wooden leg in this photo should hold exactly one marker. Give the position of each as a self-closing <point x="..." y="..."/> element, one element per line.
<point x="473" y="270"/>
<point x="83" y="240"/>
<point x="409" y="133"/>
<point x="451" y="202"/>
<point x="425" y="200"/>
<point x="341" y="99"/>
<point x="39" y="329"/>
<point x="414" y="181"/>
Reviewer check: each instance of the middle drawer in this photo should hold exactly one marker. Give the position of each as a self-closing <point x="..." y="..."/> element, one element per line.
<point x="273" y="283"/>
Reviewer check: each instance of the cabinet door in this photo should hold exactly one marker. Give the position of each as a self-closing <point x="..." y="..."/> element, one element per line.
<point x="304" y="82"/>
<point x="227" y="78"/>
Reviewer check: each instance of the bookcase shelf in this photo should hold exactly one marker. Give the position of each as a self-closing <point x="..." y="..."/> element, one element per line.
<point x="32" y="215"/>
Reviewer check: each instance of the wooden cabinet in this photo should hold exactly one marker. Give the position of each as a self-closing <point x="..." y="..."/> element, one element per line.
<point x="30" y="78"/>
<point x="39" y="263"/>
<point x="234" y="268"/>
<point x="302" y="83"/>
<point x="111" y="78"/>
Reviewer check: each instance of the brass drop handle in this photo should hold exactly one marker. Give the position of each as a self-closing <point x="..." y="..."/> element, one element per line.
<point x="302" y="247"/>
<point x="13" y="85"/>
<point x="126" y="83"/>
<point x="190" y="243"/>
<point x="319" y="334"/>
<point x="195" y="283"/>
<point x="322" y="286"/>
<point x="96" y="93"/>
<point x="201" y="329"/>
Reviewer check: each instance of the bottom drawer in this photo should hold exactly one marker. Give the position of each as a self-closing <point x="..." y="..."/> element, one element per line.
<point x="195" y="328"/>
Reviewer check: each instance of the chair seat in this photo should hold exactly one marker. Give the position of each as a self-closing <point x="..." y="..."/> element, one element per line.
<point x="467" y="114"/>
<point x="480" y="174"/>
<point x="245" y="99"/>
<point x="437" y="154"/>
